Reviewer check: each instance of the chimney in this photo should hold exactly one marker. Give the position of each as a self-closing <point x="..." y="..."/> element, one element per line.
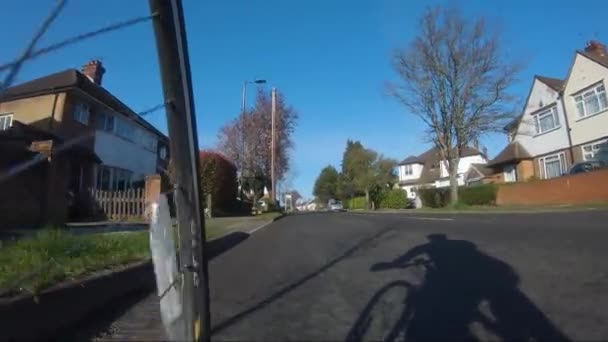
<point x="596" y="48"/>
<point x="94" y="70"/>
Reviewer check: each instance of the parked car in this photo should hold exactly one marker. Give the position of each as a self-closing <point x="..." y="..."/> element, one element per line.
<point x="587" y="166"/>
<point x="334" y="205"/>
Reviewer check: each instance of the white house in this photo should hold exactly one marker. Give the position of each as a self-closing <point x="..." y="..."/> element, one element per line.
<point x="427" y="169"/>
<point x="586" y="101"/>
<point x="563" y="122"/>
<point x="538" y="138"/>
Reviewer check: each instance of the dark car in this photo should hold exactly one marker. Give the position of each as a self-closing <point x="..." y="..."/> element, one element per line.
<point x="587" y="166"/>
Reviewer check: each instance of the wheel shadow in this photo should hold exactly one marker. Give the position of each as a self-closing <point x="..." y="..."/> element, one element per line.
<point x="464" y="293"/>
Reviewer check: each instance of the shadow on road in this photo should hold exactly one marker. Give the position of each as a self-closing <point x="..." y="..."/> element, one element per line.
<point x="224" y="243"/>
<point x="462" y="287"/>
<point x="290" y="287"/>
<point x="100" y="323"/>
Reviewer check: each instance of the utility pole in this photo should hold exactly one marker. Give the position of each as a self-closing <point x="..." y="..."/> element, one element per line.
<point x="273" y="151"/>
<point x="170" y="33"/>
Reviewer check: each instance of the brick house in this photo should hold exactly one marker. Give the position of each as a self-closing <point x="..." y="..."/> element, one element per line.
<point x="92" y="139"/>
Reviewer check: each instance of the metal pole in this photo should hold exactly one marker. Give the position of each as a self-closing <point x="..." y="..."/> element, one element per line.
<point x="273" y="147"/>
<point x="242" y="131"/>
<point x="169" y="30"/>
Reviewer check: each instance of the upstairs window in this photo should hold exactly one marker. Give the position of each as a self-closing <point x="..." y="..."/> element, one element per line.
<point x="591" y="101"/>
<point x="125" y="129"/>
<point x="81" y="113"/>
<point x="6" y="121"/>
<point x="408" y="170"/>
<point x="547" y="120"/>
<point x="105" y="122"/>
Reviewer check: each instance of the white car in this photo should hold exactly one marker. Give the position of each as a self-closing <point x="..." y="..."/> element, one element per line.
<point x="334" y="205"/>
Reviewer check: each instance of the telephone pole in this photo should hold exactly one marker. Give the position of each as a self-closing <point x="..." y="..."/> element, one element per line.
<point x="170" y="33"/>
<point x="273" y="147"/>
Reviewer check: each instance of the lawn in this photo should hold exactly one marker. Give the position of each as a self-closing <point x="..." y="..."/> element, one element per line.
<point x="53" y="255"/>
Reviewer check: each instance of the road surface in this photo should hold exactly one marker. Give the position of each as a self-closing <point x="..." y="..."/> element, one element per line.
<point x="348" y="276"/>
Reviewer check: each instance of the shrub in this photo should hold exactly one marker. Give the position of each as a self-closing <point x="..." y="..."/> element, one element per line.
<point x="393" y="199"/>
<point x="434" y="197"/>
<point x="472" y="195"/>
<point x="357" y="203"/>
<point x="218" y="178"/>
<point x="478" y="195"/>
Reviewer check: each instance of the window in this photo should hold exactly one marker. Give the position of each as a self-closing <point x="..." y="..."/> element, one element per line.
<point x="81" y="113"/>
<point x="546" y="120"/>
<point x="163" y="153"/>
<point x="6" y="121"/>
<point x="591" y="101"/>
<point x="146" y="140"/>
<point x="552" y="166"/>
<point x="125" y="129"/>
<point x="592" y="150"/>
<point x="103" y="177"/>
<point x="408" y="170"/>
<point x="122" y="179"/>
<point x="113" y="178"/>
<point x="105" y="121"/>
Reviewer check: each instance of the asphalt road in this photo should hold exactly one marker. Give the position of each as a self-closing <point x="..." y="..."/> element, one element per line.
<point x="346" y="276"/>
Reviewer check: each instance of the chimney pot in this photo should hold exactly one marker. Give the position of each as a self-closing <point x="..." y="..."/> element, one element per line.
<point x="595" y="47"/>
<point x="94" y="70"/>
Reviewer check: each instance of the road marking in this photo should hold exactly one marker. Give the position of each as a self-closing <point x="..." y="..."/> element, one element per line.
<point x="410" y="217"/>
<point x="258" y="228"/>
<point x="432" y="218"/>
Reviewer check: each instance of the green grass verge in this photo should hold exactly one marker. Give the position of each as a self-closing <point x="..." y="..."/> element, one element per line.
<point x="52" y="256"/>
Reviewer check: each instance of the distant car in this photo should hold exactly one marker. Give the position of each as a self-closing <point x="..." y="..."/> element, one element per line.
<point x="334" y="205"/>
<point x="587" y="166"/>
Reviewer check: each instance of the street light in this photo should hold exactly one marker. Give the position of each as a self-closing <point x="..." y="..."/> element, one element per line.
<point x="245" y="91"/>
<point x="243" y="108"/>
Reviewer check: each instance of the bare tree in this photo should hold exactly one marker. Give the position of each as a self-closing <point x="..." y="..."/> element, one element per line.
<point x="454" y="76"/>
<point x="247" y="140"/>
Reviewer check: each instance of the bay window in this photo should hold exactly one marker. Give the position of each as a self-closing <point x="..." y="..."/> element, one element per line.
<point x="592" y="150"/>
<point x="553" y="165"/>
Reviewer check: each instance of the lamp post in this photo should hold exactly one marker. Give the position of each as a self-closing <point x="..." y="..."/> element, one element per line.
<point x="243" y="141"/>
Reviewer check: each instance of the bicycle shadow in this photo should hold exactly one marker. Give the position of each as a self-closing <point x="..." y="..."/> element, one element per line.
<point x="462" y="287"/>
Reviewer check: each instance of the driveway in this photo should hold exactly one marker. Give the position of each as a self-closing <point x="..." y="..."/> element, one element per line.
<point x="346" y="277"/>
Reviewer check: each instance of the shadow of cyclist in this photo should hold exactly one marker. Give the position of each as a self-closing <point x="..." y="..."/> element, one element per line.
<point x="459" y="279"/>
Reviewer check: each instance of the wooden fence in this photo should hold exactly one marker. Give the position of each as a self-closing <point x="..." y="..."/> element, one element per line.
<point x="121" y="205"/>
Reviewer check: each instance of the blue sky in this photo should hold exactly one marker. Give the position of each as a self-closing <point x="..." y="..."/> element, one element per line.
<point x="330" y="58"/>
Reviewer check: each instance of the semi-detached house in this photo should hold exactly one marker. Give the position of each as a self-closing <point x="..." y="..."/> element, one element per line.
<point x="90" y="137"/>
<point x="563" y="121"/>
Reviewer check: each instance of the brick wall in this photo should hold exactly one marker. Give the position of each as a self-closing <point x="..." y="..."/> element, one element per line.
<point x="589" y="187"/>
